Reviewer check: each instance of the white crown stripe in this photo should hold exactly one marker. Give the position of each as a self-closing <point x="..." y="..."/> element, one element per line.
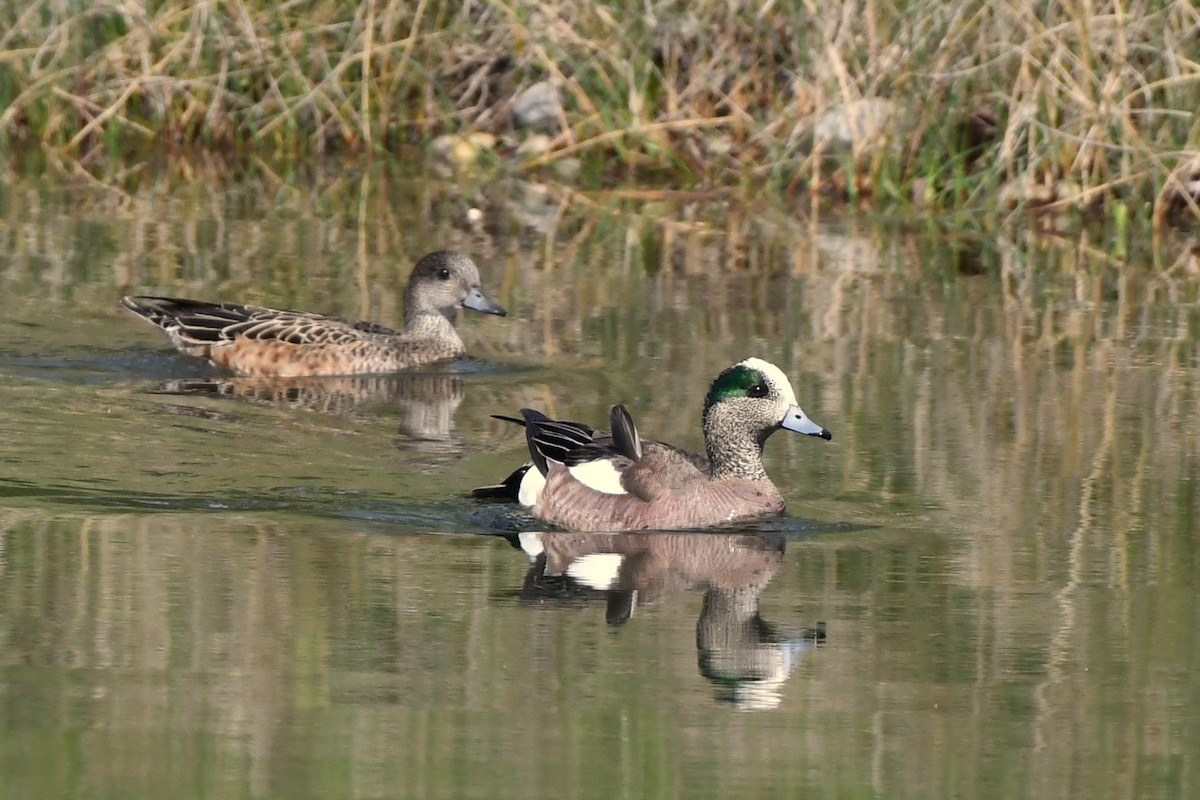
<point x="775" y="375"/>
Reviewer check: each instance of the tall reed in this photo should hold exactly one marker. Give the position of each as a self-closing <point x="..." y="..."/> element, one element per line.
<point x="1085" y="105"/>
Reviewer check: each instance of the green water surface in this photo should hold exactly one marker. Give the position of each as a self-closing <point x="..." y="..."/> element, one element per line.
<point x="986" y="585"/>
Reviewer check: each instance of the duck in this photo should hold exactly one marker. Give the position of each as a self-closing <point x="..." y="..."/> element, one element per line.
<point x="255" y="341"/>
<point x="582" y="479"/>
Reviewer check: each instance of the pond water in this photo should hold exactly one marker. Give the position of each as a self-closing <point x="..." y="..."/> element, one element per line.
<point x="986" y="584"/>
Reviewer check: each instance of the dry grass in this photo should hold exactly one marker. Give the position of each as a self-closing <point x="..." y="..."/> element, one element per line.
<point x="1075" y="106"/>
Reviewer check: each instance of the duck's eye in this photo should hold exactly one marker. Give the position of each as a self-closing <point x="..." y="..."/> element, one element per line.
<point x="758" y="390"/>
<point x="444" y="274"/>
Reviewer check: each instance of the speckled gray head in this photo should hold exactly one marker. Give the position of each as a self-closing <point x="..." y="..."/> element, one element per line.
<point x="757" y="393"/>
<point x="445" y="280"/>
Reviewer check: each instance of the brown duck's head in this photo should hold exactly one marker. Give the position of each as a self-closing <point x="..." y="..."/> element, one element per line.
<point x="443" y="281"/>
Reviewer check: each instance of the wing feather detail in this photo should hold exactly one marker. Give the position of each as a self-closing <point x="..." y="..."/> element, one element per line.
<point x="199" y="322"/>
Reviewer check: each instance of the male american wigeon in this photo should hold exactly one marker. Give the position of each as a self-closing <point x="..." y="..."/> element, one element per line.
<point x="586" y="480"/>
<point x="256" y="341"/>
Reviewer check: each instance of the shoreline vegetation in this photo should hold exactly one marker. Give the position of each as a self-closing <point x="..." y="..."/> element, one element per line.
<point x="1078" y="109"/>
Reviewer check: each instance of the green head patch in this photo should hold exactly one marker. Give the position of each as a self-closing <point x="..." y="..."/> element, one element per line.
<point x="737" y="381"/>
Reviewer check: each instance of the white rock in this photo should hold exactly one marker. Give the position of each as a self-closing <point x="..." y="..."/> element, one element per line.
<point x="860" y="123"/>
<point x="538" y="107"/>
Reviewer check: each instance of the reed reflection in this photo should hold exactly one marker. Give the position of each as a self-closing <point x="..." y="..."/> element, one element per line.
<point x="744" y="657"/>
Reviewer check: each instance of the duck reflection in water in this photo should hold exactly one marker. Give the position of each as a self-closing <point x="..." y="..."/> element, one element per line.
<point x="745" y="658"/>
<point x="428" y="400"/>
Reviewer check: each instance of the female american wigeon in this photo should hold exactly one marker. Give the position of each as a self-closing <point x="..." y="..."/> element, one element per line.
<point x="586" y="480"/>
<point x="255" y="341"/>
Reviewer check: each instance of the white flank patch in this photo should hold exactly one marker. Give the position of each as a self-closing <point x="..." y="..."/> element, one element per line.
<point x="596" y="571"/>
<point x="531" y="543"/>
<point x="600" y="475"/>
<point x="531" y="487"/>
<point x="775" y="376"/>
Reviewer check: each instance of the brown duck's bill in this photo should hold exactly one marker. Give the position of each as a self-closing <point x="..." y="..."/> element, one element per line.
<point x="478" y="301"/>
<point x="796" y="420"/>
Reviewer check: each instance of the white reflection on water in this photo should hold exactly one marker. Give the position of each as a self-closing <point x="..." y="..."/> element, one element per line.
<point x="745" y="658"/>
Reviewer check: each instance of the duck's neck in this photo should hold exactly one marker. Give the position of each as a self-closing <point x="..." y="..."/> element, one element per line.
<point x="733" y="451"/>
<point x="430" y="325"/>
